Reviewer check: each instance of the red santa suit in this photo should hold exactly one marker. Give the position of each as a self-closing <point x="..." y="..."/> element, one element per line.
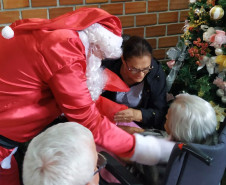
<point x="43" y="73"/>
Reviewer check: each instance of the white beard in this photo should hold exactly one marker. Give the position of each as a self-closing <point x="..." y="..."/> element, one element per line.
<point x="96" y="78"/>
<point x="109" y="44"/>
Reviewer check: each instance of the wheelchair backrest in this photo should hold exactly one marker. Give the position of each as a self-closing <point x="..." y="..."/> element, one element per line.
<point x="184" y="168"/>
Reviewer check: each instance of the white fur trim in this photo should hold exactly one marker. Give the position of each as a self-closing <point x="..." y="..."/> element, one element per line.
<point x="150" y="150"/>
<point x="109" y="43"/>
<point x="7" y="32"/>
<point x="6" y="163"/>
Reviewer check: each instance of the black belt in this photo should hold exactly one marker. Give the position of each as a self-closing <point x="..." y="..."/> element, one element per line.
<point x="8" y="143"/>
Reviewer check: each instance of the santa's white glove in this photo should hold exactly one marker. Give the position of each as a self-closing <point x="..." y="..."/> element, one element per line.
<point x="151" y="150"/>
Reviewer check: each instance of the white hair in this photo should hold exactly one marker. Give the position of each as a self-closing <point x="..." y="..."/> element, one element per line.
<point x="191" y="119"/>
<point x="61" y="155"/>
<point x="100" y="39"/>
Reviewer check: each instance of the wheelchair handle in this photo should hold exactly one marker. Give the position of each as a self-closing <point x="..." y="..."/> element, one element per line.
<point x="196" y="152"/>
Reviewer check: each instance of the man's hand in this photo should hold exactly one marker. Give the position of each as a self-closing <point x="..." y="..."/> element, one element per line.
<point x="128" y="115"/>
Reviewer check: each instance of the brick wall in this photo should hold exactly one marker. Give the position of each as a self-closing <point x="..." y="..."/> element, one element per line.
<point x="159" y="21"/>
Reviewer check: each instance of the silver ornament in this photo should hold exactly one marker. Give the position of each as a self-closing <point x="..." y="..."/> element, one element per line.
<point x="218" y="51"/>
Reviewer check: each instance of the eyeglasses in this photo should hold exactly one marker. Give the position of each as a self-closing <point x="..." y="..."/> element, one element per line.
<point x="101" y="163"/>
<point x="135" y="70"/>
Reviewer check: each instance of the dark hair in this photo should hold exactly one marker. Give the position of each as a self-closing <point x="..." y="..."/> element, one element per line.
<point x="136" y="46"/>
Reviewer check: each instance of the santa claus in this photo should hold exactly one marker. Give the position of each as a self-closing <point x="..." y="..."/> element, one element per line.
<point x="50" y="67"/>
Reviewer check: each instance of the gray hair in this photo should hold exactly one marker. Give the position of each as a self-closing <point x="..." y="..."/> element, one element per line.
<point x="60" y="155"/>
<point x="191" y="119"/>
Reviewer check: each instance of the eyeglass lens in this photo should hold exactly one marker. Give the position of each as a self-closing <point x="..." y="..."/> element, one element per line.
<point x="101" y="163"/>
<point x="135" y="70"/>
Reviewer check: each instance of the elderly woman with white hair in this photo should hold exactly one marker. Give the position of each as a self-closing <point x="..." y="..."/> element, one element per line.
<point x="191" y="119"/>
<point x="63" y="154"/>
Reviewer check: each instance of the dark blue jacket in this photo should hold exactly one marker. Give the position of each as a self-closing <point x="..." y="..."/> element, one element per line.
<point x="153" y="103"/>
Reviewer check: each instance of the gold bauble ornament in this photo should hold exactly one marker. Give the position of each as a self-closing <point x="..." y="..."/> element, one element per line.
<point x="216" y="12"/>
<point x="221" y="61"/>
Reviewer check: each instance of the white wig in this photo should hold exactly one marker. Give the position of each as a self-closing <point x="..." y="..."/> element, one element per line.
<point x="61" y="155"/>
<point x="191" y="119"/>
<point x="99" y="39"/>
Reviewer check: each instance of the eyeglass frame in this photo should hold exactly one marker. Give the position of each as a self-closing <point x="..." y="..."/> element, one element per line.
<point x="135" y="70"/>
<point x="101" y="163"/>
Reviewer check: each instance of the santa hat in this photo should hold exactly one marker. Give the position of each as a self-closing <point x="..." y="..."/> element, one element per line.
<point x="76" y="20"/>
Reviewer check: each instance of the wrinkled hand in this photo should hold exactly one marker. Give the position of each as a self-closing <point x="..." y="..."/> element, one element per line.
<point x="131" y="130"/>
<point x="128" y="115"/>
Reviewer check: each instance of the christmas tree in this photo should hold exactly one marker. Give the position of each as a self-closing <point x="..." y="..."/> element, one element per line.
<point x="198" y="62"/>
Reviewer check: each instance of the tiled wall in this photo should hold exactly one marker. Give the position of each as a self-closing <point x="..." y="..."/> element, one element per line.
<point x="159" y="21"/>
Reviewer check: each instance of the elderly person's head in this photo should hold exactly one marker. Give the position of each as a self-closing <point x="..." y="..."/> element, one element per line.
<point x="191" y="119"/>
<point x="64" y="154"/>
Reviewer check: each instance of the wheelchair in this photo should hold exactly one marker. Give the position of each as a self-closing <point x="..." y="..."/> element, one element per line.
<point x="189" y="163"/>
